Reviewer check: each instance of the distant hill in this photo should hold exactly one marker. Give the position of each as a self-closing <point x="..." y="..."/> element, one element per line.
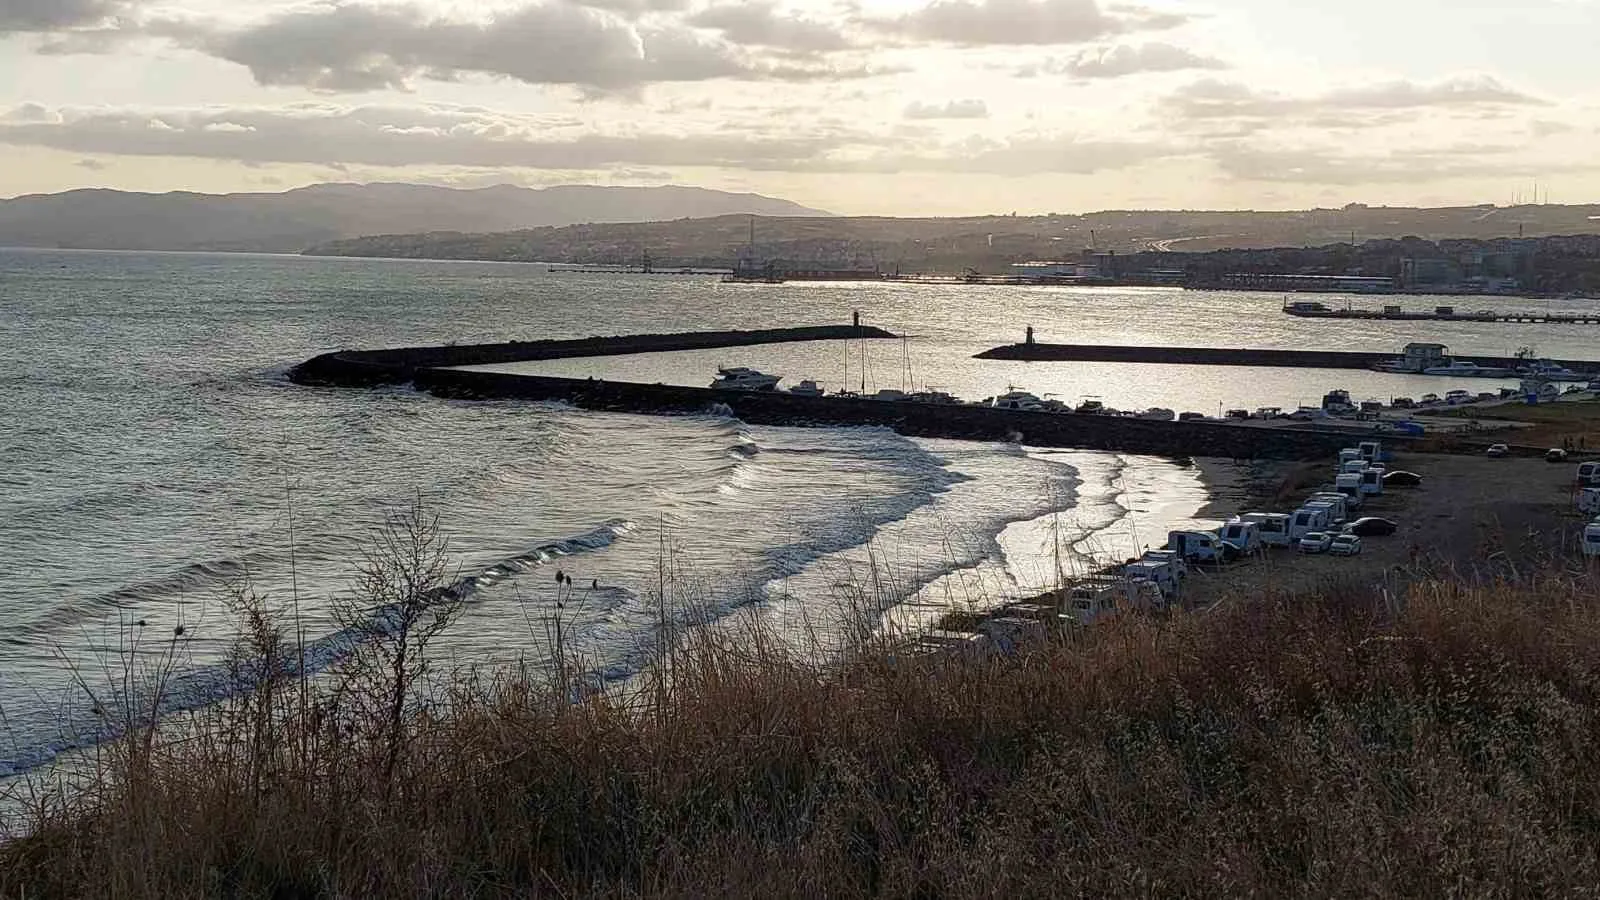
<point x="985" y="243"/>
<point x="293" y="220"/>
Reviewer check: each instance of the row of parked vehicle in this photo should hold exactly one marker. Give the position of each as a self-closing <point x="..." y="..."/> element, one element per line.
<point x="1327" y="522"/>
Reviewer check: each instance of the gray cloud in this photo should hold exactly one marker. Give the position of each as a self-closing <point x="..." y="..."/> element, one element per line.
<point x="1211" y="99"/>
<point x="1022" y="22"/>
<point x="955" y="109"/>
<point x="1126" y="59"/>
<point x="57" y="15"/>
<point x="399" y="137"/>
<point x="761" y="25"/>
<point x="353" y="47"/>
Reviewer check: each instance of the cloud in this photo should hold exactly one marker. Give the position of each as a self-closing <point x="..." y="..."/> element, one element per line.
<point x="1212" y="99"/>
<point x="635" y="8"/>
<point x="57" y="15"/>
<point x="93" y="165"/>
<point x="395" y="137"/>
<point x="1249" y="161"/>
<point x="1021" y="156"/>
<point x="1022" y="22"/>
<point x="955" y="109"/>
<point x="353" y="47"/>
<point x="760" y="24"/>
<point x="402" y="136"/>
<point x="1127" y="59"/>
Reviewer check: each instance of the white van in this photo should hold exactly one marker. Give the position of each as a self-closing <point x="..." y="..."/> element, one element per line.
<point x="1306" y="520"/>
<point x="1353" y="467"/>
<point x="1273" y="528"/>
<point x="1350" y="454"/>
<point x="1371" y="451"/>
<point x="1244" y="537"/>
<point x="1589" y="474"/>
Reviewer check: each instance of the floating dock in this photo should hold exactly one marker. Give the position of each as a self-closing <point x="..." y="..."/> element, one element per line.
<point x="435" y="370"/>
<point x="1439" y="314"/>
<point x="1243" y="356"/>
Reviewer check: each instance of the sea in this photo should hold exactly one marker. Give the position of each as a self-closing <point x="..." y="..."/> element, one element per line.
<point x="155" y="460"/>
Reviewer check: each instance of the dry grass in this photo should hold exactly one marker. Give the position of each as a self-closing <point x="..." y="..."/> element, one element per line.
<point x="1283" y="747"/>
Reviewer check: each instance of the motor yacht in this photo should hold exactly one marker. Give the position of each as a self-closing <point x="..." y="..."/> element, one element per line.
<point x="1549" y="370"/>
<point x="1462" y="368"/>
<point x="806" y="388"/>
<point x="739" y="378"/>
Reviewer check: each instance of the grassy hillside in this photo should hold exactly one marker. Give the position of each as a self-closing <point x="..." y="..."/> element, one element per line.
<point x="1332" y="743"/>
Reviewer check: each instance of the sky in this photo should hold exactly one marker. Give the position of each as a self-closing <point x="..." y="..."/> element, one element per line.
<point x="860" y="107"/>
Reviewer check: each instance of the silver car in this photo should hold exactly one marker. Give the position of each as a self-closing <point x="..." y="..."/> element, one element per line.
<point x="1345" y="545"/>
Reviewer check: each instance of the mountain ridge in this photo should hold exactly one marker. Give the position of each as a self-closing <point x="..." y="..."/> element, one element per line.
<point x="292" y="221"/>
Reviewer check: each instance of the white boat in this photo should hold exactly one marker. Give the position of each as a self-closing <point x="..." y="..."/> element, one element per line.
<point x="739" y="378"/>
<point x="1462" y="368"/>
<point x="1017" y="400"/>
<point x="890" y="394"/>
<point x="1550" y="371"/>
<point x="806" y="388"/>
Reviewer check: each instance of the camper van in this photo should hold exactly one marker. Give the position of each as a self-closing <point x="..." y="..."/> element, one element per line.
<point x="1589" y="474"/>
<point x="1273" y="528"/>
<point x="1093" y="601"/>
<point x="1589" y="501"/>
<point x="1372" y="481"/>
<point x="1371" y="451"/>
<point x="1160" y="573"/>
<point x="1350" y="486"/>
<point x="1349" y="454"/>
<point x="1306" y="520"/>
<point x="1591" y="539"/>
<point x="1245" y="537"/>
<point x="1201" y="546"/>
<point x="1343" y="510"/>
<point x="1354" y="467"/>
<point x="1337" y="502"/>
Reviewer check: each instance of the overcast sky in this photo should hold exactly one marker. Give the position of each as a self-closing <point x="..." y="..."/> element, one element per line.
<point x="896" y="107"/>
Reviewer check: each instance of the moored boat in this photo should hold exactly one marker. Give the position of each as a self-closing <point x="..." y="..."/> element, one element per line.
<point x="740" y="378"/>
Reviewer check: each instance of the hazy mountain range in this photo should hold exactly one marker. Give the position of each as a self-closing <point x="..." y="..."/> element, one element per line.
<point x="292" y="221"/>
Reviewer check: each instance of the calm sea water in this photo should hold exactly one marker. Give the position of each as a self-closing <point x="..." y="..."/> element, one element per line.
<point x="153" y="455"/>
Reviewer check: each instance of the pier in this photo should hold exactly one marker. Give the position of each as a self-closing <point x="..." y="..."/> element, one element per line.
<point x="1226" y="356"/>
<point x="435" y="370"/>
<point x="1307" y="310"/>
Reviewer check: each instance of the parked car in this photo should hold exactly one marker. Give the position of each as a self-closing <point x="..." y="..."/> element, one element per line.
<point x="1398" y="478"/>
<point x="1316" y="542"/>
<point x="1372" y="526"/>
<point x="1555" y="455"/>
<point x="1404" y="403"/>
<point x="1345" y="545"/>
<point x="1498" y="451"/>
